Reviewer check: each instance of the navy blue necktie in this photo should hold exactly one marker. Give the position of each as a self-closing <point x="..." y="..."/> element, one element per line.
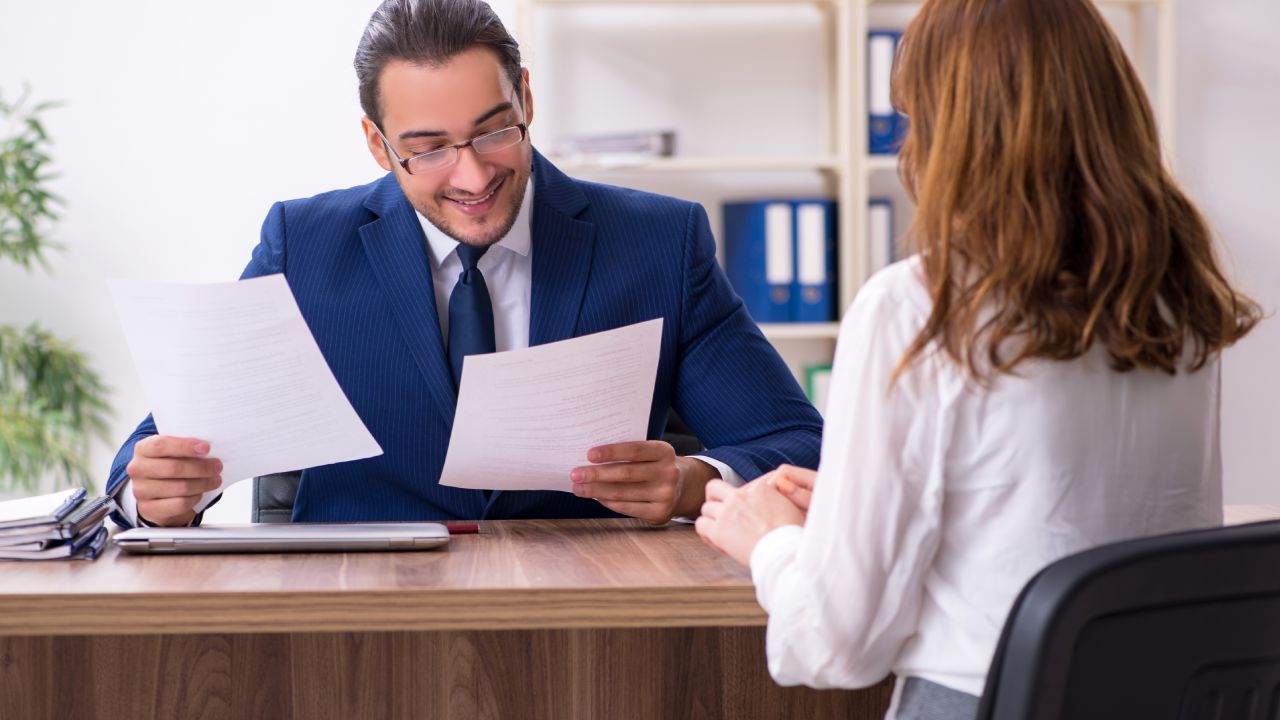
<point x="470" y="312"/>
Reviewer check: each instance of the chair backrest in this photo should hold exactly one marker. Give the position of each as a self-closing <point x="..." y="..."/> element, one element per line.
<point x="274" y="495"/>
<point x="1183" y="626"/>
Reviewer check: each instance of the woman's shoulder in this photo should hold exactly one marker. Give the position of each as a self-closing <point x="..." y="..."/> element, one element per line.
<point x="889" y="311"/>
<point x="899" y="289"/>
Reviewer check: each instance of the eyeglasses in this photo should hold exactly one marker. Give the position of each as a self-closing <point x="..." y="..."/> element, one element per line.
<point x="444" y="157"/>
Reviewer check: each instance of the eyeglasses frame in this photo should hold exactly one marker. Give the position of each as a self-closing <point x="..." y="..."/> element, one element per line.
<point x="456" y="147"/>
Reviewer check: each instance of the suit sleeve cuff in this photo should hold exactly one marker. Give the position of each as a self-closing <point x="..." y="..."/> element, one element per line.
<point x="771" y="556"/>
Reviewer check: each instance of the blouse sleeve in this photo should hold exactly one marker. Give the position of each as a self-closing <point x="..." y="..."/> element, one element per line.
<point x="843" y="593"/>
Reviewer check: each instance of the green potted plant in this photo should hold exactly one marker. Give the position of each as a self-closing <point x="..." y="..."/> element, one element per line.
<point x="52" y="403"/>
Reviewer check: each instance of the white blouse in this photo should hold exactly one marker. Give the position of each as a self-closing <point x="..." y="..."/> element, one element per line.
<point x="936" y="501"/>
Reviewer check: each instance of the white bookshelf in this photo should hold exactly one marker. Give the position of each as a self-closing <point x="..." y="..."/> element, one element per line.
<point x="801" y="331"/>
<point x="831" y="164"/>
<point x="873" y="163"/>
<point x="847" y="169"/>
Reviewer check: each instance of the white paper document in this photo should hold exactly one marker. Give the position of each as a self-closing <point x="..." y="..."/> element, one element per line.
<point x="525" y="418"/>
<point x="235" y="364"/>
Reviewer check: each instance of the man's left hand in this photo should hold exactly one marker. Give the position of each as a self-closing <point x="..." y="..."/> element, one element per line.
<point x="645" y="480"/>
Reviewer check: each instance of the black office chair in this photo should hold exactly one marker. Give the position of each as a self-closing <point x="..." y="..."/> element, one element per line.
<point x="274" y="495"/>
<point x="1177" y="627"/>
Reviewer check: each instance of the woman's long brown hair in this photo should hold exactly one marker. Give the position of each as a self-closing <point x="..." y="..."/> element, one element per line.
<point x="1044" y="211"/>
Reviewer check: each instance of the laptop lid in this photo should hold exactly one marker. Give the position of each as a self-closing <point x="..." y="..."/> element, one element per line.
<point x="301" y="537"/>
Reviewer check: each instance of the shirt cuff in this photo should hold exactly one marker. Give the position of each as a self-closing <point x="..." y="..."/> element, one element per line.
<point x="727" y="473"/>
<point x="127" y="502"/>
<point x="771" y="555"/>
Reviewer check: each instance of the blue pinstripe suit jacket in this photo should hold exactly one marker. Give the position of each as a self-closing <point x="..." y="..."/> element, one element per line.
<point x="603" y="257"/>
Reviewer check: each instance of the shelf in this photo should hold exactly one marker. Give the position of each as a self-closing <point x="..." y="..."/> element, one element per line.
<point x="880" y="162"/>
<point x="685" y="2"/>
<point x="1152" y="3"/>
<point x="801" y="331"/>
<point x="700" y="164"/>
<point x="819" y="3"/>
<point x="843" y="163"/>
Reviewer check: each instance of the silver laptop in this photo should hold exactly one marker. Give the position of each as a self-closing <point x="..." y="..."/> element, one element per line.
<point x="301" y="537"/>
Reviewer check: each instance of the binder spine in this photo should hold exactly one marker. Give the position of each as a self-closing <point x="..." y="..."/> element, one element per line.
<point x="886" y="126"/>
<point x="814" y="298"/>
<point x="780" y="254"/>
<point x="880" y="235"/>
<point x="780" y="257"/>
<point x="759" y="258"/>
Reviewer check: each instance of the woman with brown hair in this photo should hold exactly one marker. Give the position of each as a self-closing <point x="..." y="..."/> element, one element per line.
<point x="1042" y="376"/>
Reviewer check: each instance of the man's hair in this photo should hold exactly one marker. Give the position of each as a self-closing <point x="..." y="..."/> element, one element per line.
<point x="1044" y="211"/>
<point x="428" y="32"/>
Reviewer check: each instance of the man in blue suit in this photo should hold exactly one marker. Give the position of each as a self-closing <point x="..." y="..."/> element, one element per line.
<point x="473" y="242"/>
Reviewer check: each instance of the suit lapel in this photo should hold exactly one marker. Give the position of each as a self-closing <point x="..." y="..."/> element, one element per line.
<point x="396" y="250"/>
<point x="562" y="248"/>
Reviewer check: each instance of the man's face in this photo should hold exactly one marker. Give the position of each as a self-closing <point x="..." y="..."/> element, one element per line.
<point x="425" y="108"/>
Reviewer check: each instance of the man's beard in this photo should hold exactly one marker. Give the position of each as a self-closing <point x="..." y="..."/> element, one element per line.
<point x="517" y="193"/>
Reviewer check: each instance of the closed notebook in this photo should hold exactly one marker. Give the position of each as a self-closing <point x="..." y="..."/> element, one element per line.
<point x="40" y="509"/>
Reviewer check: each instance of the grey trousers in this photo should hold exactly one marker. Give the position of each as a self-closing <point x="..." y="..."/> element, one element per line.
<point x="924" y="700"/>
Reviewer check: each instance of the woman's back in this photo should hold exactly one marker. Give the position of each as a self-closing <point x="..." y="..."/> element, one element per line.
<point x="1042" y="376"/>
<point x="938" y="498"/>
<point x="1058" y="457"/>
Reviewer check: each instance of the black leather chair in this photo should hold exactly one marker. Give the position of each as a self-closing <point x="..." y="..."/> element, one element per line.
<point x="1173" y="627"/>
<point x="273" y="495"/>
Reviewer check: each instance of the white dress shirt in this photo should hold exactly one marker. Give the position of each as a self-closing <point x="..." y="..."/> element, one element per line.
<point x="507" y="268"/>
<point x="508" y="272"/>
<point x="937" y="500"/>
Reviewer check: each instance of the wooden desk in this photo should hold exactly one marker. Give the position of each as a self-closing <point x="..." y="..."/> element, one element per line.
<point x="568" y="619"/>
<point x="529" y="619"/>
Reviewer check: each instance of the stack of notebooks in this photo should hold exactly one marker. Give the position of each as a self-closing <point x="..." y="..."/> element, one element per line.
<point x="58" y="525"/>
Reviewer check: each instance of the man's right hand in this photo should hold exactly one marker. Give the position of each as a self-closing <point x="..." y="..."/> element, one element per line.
<point x="169" y="475"/>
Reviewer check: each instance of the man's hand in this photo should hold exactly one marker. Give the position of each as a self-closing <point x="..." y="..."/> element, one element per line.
<point x="169" y="475"/>
<point x="645" y="480"/>
<point x="734" y="519"/>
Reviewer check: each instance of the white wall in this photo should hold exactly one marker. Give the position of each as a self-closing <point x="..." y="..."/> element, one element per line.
<point x="185" y="121"/>
<point x="1228" y="155"/>
<point x="182" y="123"/>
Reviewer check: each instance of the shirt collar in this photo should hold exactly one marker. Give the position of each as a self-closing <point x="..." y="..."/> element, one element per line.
<point x="518" y="239"/>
